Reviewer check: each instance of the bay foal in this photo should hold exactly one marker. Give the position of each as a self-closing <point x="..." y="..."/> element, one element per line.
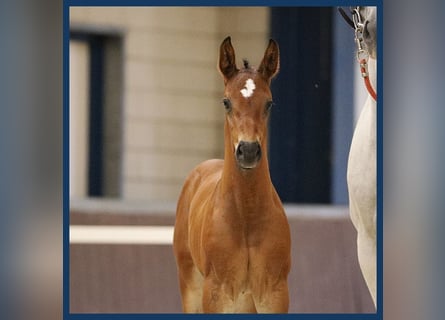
<point x="232" y="239"/>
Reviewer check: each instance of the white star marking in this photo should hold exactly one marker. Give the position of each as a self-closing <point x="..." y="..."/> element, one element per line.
<point x="247" y="91"/>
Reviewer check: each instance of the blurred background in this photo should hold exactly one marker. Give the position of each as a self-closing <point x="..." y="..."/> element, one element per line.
<point x="145" y="108"/>
<point x="31" y="164"/>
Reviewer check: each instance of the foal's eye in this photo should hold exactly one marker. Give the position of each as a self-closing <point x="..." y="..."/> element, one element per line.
<point x="227" y="104"/>
<point x="269" y="105"/>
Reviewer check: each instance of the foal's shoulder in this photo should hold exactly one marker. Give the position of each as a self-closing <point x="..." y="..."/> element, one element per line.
<point x="210" y="165"/>
<point x="206" y="169"/>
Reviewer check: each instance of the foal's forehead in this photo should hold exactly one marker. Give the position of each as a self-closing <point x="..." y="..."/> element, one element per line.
<point x="247" y="84"/>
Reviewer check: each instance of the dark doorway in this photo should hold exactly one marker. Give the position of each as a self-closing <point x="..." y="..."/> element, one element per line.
<point x="105" y="109"/>
<point x="300" y="126"/>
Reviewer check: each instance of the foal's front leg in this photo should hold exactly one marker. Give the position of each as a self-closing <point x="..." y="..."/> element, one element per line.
<point x="226" y="297"/>
<point x="217" y="297"/>
<point x="274" y="299"/>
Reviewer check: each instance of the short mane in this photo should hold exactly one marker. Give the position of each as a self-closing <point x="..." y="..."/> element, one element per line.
<point x="246" y="64"/>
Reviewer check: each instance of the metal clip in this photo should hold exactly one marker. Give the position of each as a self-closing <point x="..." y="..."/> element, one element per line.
<point x="362" y="53"/>
<point x="356" y="19"/>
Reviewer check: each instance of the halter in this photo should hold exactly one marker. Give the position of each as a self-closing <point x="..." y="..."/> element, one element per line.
<point x="362" y="53"/>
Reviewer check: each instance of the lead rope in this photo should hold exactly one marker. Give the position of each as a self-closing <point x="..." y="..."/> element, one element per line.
<point x="365" y="75"/>
<point x="362" y="54"/>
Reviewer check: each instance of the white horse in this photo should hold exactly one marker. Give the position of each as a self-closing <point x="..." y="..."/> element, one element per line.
<point x="361" y="173"/>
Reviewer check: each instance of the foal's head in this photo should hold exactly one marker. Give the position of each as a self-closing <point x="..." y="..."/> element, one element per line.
<point x="247" y="100"/>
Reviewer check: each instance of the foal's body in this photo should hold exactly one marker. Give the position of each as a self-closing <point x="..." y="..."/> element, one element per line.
<point x="229" y="257"/>
<point x="232" y="239"/>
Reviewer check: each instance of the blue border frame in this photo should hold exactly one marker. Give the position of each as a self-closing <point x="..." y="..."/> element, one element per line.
<point x="332" y="3"/>
<point x="379" y="301"/>
<point x="222" y="3"/>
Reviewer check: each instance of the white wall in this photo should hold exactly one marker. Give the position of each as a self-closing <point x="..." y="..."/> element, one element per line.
<point x="78" y="118"/>
<point x="172" y="115"/>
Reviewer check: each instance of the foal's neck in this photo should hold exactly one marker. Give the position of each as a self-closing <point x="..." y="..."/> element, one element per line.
<point x="235" y="177"/>
<point x="248" y="188"/>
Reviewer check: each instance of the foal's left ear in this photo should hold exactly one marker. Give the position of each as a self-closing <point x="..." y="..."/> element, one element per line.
<point x="226" y="63"/>
<point x="270" y="65"/>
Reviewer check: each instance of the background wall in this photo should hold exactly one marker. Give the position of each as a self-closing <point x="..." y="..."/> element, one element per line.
<point x="172" y="116"/>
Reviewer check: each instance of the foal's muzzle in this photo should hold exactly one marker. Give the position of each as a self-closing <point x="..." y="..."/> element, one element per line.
<point x="248" y="154"/>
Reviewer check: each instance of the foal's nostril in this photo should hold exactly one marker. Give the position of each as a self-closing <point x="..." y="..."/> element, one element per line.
<point x="258" y="153"/>
<point x="239" y="150"/>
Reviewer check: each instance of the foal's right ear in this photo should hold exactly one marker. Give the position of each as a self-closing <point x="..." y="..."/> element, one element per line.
<point x="270" y="65"/>
<point x="227" y="65"/>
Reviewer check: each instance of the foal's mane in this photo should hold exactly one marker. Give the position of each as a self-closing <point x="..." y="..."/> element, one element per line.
<point x="246" y="64"/>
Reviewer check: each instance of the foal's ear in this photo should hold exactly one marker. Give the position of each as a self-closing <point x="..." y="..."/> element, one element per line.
<point x="271" y="62"/>
<point x="227" y="65"/>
